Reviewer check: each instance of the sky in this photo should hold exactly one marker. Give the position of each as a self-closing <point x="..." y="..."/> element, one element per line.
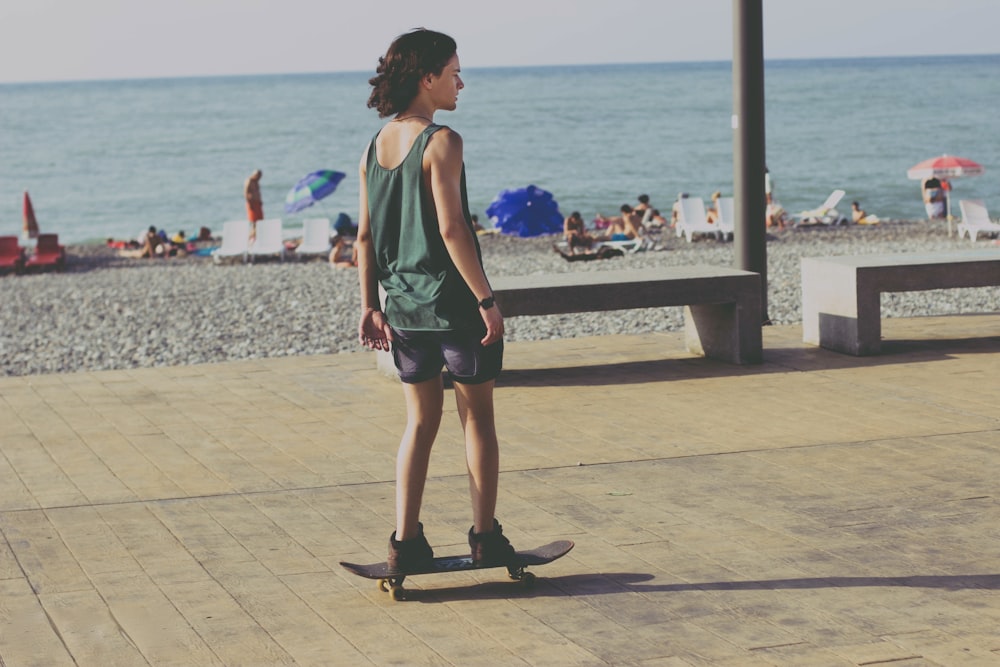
<point x="64" y="40"/>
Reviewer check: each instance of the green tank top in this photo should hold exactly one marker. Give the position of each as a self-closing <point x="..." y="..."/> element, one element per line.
<point x="424" y="290"/>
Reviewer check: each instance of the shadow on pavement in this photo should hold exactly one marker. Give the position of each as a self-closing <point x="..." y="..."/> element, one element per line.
<point x="632" y="582"/>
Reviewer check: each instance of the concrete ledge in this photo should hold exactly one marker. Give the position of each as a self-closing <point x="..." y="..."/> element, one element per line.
<point x="841" y="296"/>
<point x="722" y="308"/>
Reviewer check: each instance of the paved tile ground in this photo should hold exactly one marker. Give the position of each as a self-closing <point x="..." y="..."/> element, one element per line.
<point x="817" y="509"/>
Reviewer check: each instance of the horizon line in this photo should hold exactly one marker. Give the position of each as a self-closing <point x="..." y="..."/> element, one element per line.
<point x="180" y="77"/>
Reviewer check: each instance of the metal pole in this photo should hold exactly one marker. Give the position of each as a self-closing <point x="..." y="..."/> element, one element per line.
<point x="750" y="236"/>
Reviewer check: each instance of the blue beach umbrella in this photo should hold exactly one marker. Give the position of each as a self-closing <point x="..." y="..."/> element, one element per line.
<point x="525" y="212"/>
<point x="311" y="188"/>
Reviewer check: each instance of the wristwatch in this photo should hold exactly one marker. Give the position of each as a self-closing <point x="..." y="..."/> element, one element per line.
<point x="487" y="303"/>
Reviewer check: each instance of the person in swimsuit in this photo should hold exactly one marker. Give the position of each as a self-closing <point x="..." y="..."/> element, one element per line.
<point x="415" y="238"/>
<point x="643" y="209"/>
<point x="575" y="233"/>
<point x="624" y="227"/>
<point x="712" y="213"/>
<point x="255" y="205"/>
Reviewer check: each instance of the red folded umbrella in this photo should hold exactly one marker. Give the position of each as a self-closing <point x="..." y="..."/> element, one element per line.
<point x="29" y="229"/>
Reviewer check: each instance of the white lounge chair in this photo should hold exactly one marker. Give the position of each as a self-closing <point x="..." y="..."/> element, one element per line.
<point x="826" y="214"/>
<point x="235" y="241"/>
<point x="975" y="220"/>
<point x="315" y="237"/>
<point x="725" y="217"/>
<point x="627" y="245"/>
<point x="269" y="239"/>
<point x="692" y="219"/>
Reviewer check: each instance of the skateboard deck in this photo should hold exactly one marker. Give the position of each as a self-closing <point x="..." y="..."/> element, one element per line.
<point x="392" y="582"/>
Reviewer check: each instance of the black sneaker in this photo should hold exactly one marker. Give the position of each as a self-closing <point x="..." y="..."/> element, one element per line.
<point x="409" y="555"/>
<point x="492" y="548"/>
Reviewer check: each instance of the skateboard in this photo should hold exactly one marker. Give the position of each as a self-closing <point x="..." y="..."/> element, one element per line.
<point x="392" y="582"/>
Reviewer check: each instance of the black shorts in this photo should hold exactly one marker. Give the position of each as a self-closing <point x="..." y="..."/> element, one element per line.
<point x="420" y="356"/>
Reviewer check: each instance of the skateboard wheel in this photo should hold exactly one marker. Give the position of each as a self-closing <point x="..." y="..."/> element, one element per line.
<point x="383" y="585"/>
<point x="528" y="579"/>
<point x="397" y="593"/>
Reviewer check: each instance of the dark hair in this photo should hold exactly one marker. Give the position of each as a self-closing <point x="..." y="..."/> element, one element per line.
<point x="626" y="208"/>
<point x="410" y="57"/>
<point x="644" y="199"/>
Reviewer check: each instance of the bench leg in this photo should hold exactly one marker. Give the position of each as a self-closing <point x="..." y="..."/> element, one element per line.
<point x="840" y="312"/>
<point x="726" y="331"/>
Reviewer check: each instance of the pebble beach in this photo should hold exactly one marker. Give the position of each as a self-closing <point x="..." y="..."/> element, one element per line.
<point x="109" y="312"/>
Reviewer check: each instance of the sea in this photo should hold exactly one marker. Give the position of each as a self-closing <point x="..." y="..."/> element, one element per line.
<point x="107" y="159"/>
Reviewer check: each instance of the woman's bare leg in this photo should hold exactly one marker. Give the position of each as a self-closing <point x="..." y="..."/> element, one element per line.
<point x="482" y="452"/>
<point x="424" y="402"/>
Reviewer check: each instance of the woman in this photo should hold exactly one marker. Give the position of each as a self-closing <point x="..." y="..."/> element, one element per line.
<point x="415" y="238"/>
<point x="712" y="214"/>
<point x="575" y="233"/>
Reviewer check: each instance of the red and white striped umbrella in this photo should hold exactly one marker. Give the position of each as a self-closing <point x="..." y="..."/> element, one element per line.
<point x="945" y="166"/>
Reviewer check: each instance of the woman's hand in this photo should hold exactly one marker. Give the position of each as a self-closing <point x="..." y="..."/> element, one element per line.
<point x="373" y="330"/>
<point x="494" y="325"/>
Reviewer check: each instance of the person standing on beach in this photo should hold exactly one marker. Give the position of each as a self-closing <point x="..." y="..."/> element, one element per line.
<point x="934" y="197"/>
<point x="415" y="238"/>
<point x="255" y="205"/>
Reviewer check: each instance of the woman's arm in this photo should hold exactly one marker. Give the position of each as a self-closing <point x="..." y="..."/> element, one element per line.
<point x="373" y="329"/>
<point x="443" y="168"/>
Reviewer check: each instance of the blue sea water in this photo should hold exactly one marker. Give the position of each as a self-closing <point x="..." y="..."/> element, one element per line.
<point x="109" y="158"/>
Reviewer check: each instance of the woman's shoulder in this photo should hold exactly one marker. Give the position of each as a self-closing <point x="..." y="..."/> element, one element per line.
<point x="443" y="142"/>
<point x="442" y="131"/>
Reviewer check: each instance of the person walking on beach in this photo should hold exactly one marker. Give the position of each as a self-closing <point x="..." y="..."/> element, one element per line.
<point x="415" y="238"/>
<point x="255" y="205"/>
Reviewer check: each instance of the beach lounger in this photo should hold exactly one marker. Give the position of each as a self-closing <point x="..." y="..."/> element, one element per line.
<point x="48" y="253"/>
<point x="315" y="237"/>
<point x="725" y="217"/>
<point x="692" y="219"/>
<point x="11" y="254"/>
<point x="235" y="241"/>
<point x="628" y="245"/>
<point x="826" y="214"/>
<point x="269" y="239"/>
<point x="975" y="220"/>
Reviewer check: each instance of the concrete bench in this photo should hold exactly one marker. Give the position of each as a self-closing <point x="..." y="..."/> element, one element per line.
<point x="841" y="296"/>
<point x="722" y="306"/>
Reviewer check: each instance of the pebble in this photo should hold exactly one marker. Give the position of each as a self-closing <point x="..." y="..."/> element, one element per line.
<point x="108" y="312"/>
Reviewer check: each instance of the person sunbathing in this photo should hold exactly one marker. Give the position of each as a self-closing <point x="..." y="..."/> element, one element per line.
<point x="656" y="220"/>
<point x="344" y="253"/>
<point x="623" y="227"/>
<point x="712" y="213"/>
<point x="859" y="216"/>
<point x="776" y="216"/>
<point x="153" y="244"/>
<point x="575" y="233"/>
